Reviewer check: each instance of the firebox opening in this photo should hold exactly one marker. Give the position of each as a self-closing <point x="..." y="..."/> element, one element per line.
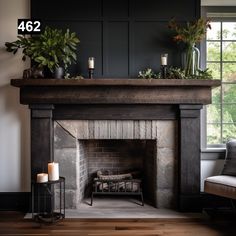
<point x="113" y="157"/>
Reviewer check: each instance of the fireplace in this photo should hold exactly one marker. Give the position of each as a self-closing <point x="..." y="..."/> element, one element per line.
<point x="123" y="146"/>
<point x="134" y="103"/>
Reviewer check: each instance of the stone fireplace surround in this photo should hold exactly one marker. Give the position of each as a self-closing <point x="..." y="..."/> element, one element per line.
<point x="178" y="101"/>
<point x="83" y="147"/>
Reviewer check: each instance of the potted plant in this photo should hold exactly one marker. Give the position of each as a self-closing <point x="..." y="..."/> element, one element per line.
<point x="190" y="34"/>
<point x="53" y="49"/>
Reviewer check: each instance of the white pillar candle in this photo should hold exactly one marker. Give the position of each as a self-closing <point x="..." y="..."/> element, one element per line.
<point x="53" y="171"/>
<point x="164" y="59"/>
<point x="91" y="63"/>
<point x="42" y="178"/>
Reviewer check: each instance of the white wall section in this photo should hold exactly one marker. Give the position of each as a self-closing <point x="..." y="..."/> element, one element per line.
<point x="14" y="118"/>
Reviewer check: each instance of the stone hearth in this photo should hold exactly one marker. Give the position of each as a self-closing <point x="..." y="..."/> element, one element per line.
<point x="83" y="147"/>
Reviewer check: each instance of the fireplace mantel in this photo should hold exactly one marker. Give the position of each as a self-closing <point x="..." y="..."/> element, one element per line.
<point x="115" y="91"/>
<point x="114" y="82"/>
<point x="121" y="99"/>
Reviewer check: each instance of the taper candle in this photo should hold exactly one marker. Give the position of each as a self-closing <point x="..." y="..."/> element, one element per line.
<point x="164" y="57"/>
<point x="53" y="171"/>
<point x="91" y="63"/>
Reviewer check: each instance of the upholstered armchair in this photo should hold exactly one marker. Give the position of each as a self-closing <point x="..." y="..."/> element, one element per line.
<point x="225" y="184"/>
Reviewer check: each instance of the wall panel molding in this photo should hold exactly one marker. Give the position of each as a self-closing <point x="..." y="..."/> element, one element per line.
<point x="124" y="36"/>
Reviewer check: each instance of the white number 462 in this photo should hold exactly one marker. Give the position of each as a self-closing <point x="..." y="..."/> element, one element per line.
<point x="28" y="26"/>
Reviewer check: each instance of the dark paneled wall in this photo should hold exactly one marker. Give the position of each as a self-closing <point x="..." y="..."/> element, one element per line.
<point x="124" y="36"/>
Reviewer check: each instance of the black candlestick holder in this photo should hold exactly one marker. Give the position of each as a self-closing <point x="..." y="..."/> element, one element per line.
<point x="163" y="71"/>
<point x="91" y="73"/>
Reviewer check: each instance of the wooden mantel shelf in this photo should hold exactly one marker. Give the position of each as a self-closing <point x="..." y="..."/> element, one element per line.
<point x="115" y="91"/>
<point x="114" y="82"/>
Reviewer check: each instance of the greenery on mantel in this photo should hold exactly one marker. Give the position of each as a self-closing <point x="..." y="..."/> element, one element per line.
<point x="189" y="35"/>
<point x="174" y="73"/>
<point x="51" y="49"/>
<point x="148" y="74"/>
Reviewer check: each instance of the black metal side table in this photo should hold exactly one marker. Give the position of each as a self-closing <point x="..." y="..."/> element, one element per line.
<point x="48" y="200"/>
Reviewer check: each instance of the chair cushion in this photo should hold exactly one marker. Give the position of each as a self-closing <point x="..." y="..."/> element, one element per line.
<point x="230" y="158"/>
<point x="221" y="185"/>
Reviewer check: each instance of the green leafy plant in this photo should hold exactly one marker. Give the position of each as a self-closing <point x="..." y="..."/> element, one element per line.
<point x="21" y="42"/>
<point x="147" y="74"/>
<point x="174" y="73"/>
<point x="78" y="77"/>
<point x="203" y="74"/>
<point x="53" y="48"/>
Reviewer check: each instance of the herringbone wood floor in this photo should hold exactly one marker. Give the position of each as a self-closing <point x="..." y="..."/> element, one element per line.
<point x="12" y="223"/>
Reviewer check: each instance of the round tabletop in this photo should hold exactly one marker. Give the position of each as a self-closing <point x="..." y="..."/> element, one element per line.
<point x="60" y="180"/>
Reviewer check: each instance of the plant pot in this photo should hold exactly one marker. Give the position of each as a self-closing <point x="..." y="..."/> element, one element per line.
<point x="59" y="73"/>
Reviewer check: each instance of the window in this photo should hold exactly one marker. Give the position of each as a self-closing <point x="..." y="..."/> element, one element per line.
<point x="221" y="60"/>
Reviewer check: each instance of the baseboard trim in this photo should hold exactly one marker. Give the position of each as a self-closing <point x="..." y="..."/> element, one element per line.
<point x="14" y="201"/>
<point x="213" y="201"/>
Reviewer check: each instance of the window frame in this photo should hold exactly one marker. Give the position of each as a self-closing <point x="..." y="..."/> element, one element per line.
<point x="225" y="14"/>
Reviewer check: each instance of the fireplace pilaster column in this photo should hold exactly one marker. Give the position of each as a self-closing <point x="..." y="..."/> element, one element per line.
<point x="189" y="161"/>
<point x="41" y="138"/>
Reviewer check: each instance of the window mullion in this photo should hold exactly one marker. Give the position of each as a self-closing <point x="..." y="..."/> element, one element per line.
<point x="221" y="78"/>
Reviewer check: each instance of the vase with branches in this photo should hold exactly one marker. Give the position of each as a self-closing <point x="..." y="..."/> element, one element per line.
<point x="190" y="34"/>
